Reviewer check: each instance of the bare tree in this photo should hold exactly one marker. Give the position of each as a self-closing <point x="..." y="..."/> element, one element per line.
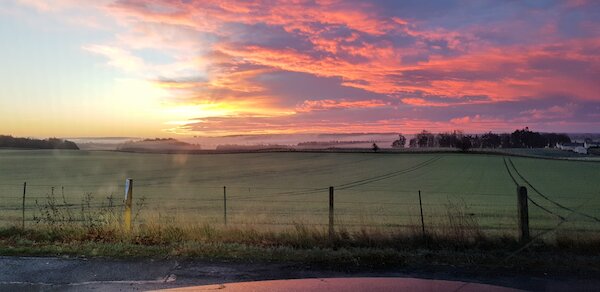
<point x="375" y="147"/>
<point x="400" y="142"/>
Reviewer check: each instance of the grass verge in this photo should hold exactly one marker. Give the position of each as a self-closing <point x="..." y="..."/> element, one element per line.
<point x="348" y="250"/>
<point x="58" y="231"/>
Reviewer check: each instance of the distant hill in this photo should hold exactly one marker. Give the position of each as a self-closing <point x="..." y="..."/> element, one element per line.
<point x="337" y="144"/>
<point x="254" y="147"/>
<point x="157" y="145"/>
<point x="29" y="143"/>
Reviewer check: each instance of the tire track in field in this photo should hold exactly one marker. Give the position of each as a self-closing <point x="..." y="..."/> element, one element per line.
<point x="541" y="234"/>
<point x="510" y="173"/>
<point x="529" y="198"/>
<point x="388" y="175"/>
<point x="264" y="173"/>
<point x="354" y="183"/>
<point x="547" y="198"/>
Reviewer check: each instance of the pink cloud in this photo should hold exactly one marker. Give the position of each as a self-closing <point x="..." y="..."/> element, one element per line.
<point x="552" y="113"/>
<point x="218" y="126"/>
<point x="223" y="51"/>
<point x="508" y="74"/>
<point x="329" y="104"/>
<point x="480" y="124"/>
<point x="422" y="102"/>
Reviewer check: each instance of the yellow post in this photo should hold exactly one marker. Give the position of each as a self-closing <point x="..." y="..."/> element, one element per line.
<point x="128" y="201"/>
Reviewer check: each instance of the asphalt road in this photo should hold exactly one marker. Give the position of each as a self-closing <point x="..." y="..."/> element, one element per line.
<point x="379" y="284"/>
<point x="77" y="274"/>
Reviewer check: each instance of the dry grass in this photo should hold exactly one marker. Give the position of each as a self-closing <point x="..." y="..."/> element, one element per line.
<point x="60" y="223"/>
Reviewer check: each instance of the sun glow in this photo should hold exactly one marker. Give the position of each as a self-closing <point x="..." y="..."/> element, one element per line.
<point x="154" y="68"/>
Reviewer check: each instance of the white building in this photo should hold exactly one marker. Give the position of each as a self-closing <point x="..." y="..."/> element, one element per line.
<point x="580" y="150"/>
<point x="569" y="146"/>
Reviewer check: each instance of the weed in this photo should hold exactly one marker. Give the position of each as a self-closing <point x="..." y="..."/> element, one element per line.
<point x="461" y="225"/>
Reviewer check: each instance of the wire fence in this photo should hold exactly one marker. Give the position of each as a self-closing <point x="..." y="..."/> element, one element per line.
<point x="356" y="206"/>
<point x="362" y="202"/>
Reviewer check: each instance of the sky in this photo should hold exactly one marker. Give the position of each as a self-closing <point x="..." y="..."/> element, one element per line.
<point x="167" y="68"/>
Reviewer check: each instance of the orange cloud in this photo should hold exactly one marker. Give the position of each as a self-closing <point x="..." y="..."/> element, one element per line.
<point x="381" y="69"/>
<point x="226" y="51"/>
<point x="231" y="125"/>
<point x="421" y="102"/>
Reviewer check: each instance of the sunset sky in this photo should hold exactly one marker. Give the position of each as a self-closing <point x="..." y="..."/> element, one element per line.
<point x="158" y="68"/>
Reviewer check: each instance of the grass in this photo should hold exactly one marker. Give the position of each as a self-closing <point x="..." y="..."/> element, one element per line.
<point x="105" y="225"/>
<point x="274" y="188"/>
<point x="460" y="243"/>
<point x="469" y="204"/>
<point x="364" y="249"/>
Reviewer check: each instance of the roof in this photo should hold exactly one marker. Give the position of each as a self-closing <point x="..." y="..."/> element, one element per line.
<point x="572" y="144"/>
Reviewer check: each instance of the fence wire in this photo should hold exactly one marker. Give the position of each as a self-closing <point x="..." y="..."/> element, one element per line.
<point x="357" y="205"/>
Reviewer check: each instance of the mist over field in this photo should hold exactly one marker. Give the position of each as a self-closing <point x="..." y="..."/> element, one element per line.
<point x="351" y="140"/>
<point x="358" y="140"/>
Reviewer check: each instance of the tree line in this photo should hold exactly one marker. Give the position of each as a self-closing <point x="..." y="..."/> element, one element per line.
<point x="523" y="138"/>
<point x="29" y="143"/>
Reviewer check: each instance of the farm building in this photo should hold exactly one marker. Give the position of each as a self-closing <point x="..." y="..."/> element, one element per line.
<point x="591" y="145"/>
<point x="569" y="146"/>
<point x="580" y="150"/>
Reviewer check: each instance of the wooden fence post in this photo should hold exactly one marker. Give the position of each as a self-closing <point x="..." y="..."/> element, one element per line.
<point x="523" y="213"/>
<point x="225" y="205"/>
<point x="331" y="231"/>
<point x="23" y="207"/>
<point x="128" y="203"/>
<point x="422" y="221"/>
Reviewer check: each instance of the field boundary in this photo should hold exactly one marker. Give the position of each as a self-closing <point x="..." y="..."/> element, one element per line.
<point x="417" y="201"/>
<point x="382" y="151"/>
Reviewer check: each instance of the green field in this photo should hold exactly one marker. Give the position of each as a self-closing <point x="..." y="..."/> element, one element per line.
<point x="280" y="189"/>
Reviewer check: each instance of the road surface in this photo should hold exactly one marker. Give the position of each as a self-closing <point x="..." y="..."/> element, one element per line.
<point x="77" y="274"/>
